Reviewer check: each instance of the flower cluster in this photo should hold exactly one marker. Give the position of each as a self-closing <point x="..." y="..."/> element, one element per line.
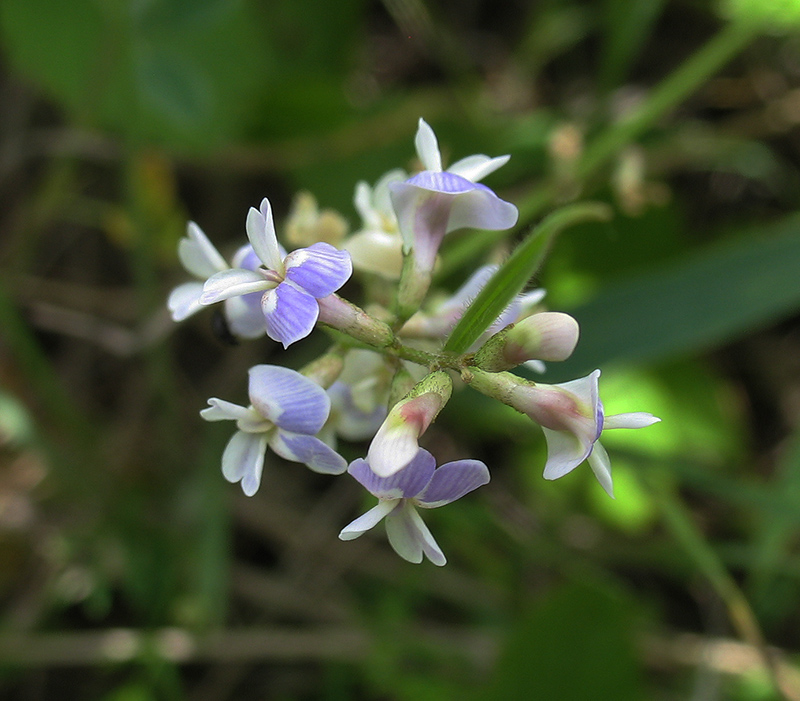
<point x="386" y="377"/>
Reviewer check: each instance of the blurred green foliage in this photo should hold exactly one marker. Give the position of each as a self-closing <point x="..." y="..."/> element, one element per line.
<point x="129" y="570"/>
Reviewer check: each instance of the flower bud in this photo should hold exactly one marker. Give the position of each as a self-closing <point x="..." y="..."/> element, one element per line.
<point x="340" y="314"/>
<point x="306" y="224"/>
<point x="396" y="442"/>
<point x="549" y="336"/>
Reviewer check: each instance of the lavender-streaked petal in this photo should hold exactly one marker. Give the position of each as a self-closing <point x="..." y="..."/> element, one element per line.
<point x="445" y="183"/>
<point x="477" y="167"/>
<point x="198" y="255"/>
<point x="288" y="399"/>
<point x="405" y="483"/>
<point x="184" y="300"/>
<point x="221" y="410"/>
<point x="309" y="450"/>
<point x="245" y="317"/>
<point x="368" y="520"/>
<point x="565" y="451"/>
<point x="243" y="460"/>
<point x="452" y="481"/>
<point x="261" y="234"/>
<point x="601" y="466"/>
<point x="319" y="269"/>
<point x="290" y="313"/>
<point x="636" y="419"/>
<point x="427" y="147"/>
<point x="232" y="283"/>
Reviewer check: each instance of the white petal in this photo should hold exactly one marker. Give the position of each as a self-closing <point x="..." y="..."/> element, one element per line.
<point x="636" y="419"/>
<point x="403" y="534"/>
<point x="368" y="520"/>
<point x="232" y="283"/>
<point x="601" y="466"/>
<point x="564" y="453"/>
<point x="477" y="167"/>
<point x="429" y="545"/>
<point x="363" y="204"/>
<point x="243" y="460"/>
<point x="427" y="147"/>
<point x="184" y="300"/>
<point x="245" y="317"/>
<point x="375" y="251"/>
<point x="220" y="410"/>
<point x="198" y="255"/>
<point x="261" y="233"/>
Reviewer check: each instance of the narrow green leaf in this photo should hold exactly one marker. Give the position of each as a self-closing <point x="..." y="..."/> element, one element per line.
<point x="514" y="274"/>
<point x="721" y="293"/>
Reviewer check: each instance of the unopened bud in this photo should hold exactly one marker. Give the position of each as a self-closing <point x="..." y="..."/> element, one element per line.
<point x="549" y="336"/>
<point x="396" y="442"/>
<point x="306" y="224"/>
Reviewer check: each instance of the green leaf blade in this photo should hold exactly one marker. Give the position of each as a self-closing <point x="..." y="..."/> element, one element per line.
<point x="515" y="273"/>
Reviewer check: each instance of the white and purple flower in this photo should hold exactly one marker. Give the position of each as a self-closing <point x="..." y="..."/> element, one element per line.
<point x="436" y="201"/>
<point x="419" y="484"/>
<point x="290" y="285"/>
<point x="199" y="257"/>
<point x="286" y="412"/>
<point x="572" y="418"/>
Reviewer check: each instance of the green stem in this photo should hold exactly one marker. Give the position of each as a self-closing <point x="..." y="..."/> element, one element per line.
<point x="668" y="94"/>
<point x="689" y="537"/>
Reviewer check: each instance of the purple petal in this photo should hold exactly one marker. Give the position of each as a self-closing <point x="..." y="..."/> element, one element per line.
<point x="452" y="481"/>
<point x="184" y="300"/>
<point x="422" y="217"/>
<point x="405" y="483"/>
<point x="319" y="269"/>
<point x="261" y="233"/>
<point x="290" y="313"/>
<point x="232" y="283"/>
<point x="368" y="520"/>
<point x="197" y="253"/>
<point x="309" y="450"/>
<point x="288" y="399"/>
<point x="445" y="183"/>
<point x="243" y="460"/>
